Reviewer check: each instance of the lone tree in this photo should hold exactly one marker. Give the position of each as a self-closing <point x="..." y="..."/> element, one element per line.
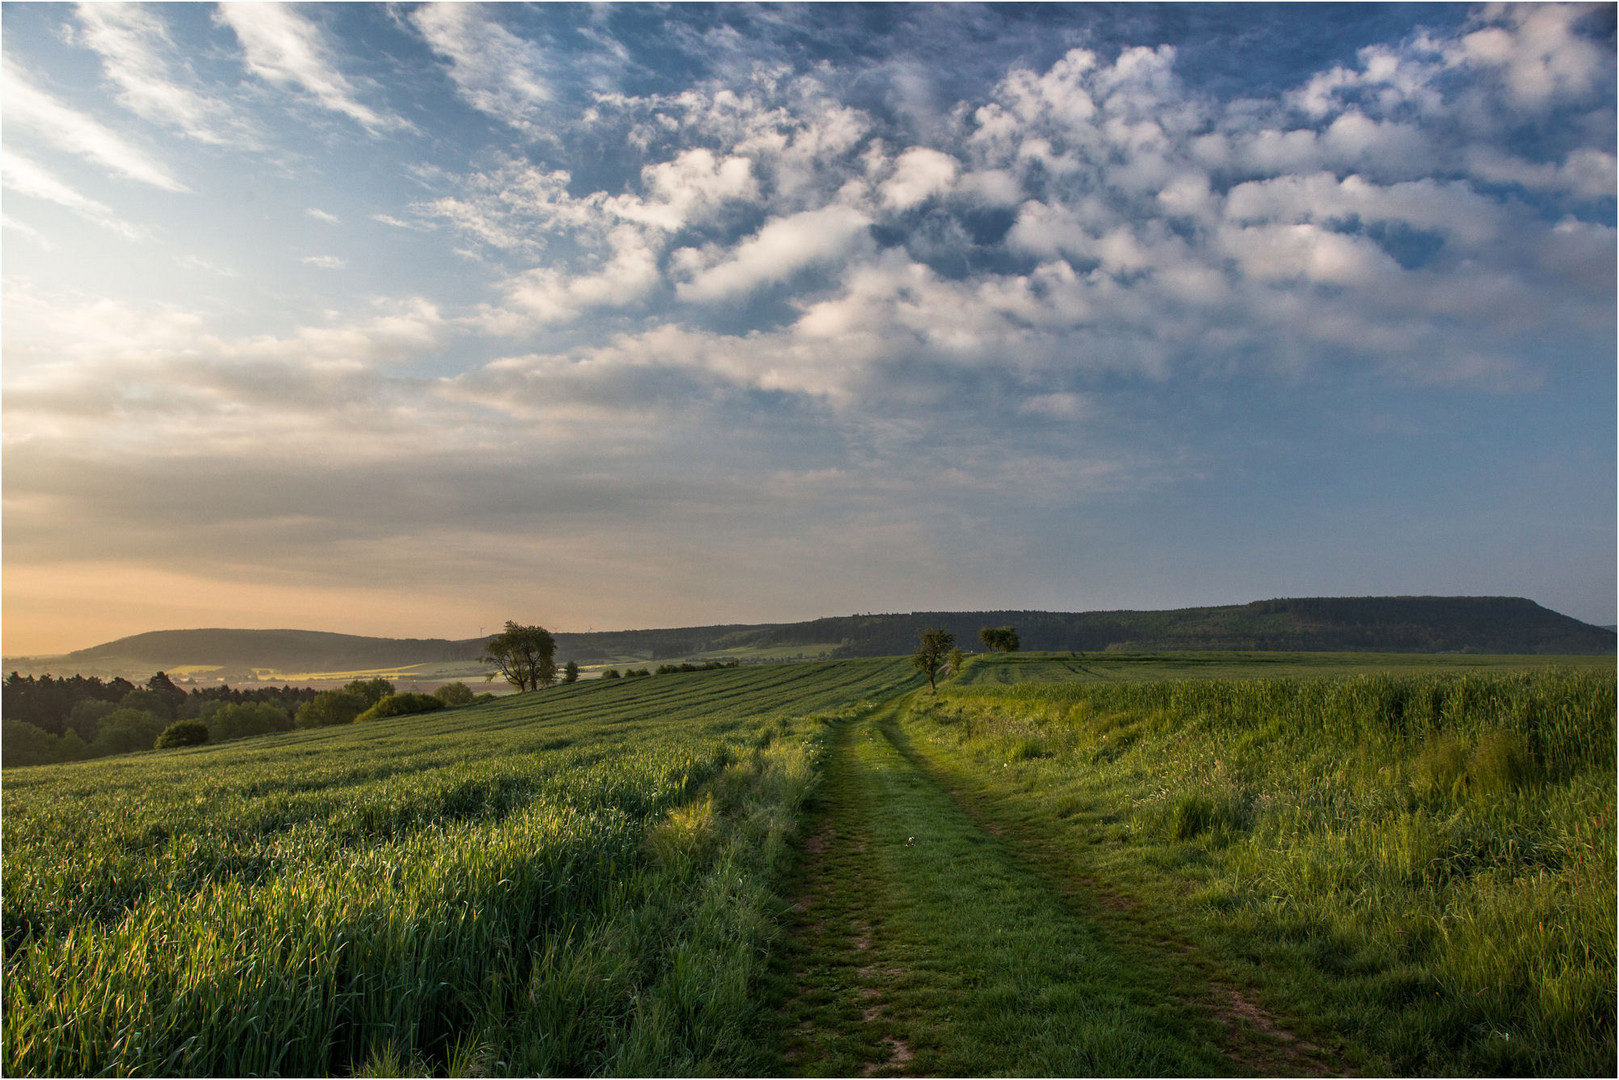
<point x="933" y="646"/>
<point x="523" y="656"/>
<point x="999" y="638"/>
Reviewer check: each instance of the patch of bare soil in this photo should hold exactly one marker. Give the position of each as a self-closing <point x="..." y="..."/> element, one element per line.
<point x="1287" y="1054"/>
<point x="899" y="1055"/>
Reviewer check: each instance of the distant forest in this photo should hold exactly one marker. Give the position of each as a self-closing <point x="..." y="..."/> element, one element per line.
<point x="78" y="717"/>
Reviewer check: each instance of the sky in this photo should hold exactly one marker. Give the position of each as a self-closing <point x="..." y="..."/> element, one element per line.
<point x="408" y="320"/>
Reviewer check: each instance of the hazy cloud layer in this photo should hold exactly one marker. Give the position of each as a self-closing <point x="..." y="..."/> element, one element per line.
<point x="724" y="314"/>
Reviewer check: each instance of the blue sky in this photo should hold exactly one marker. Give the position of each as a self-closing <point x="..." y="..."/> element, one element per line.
<point x="407" y="320"/>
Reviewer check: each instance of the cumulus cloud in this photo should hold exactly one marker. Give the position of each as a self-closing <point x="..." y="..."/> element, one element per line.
<point x="919" y="175"/>
<point x="777" y="251"/>
<point x="1536" y="53"/>
<point x="545" y="295"/>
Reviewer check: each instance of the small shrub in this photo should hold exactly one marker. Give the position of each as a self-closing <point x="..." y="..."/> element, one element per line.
<point x="183" y="733"/>
<point x="455" y="693"/>
<point x="400" y="705"/>
<point x="610" y="673"/>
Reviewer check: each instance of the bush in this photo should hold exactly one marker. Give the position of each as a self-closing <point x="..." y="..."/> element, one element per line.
<point x="400" y="705"/>
<point x="371" y="691"/>
<point x="570" y="672"/>
<point x="183" y="733"/>
<point x="610" y="673"/>
<point x="637" y="673"/>
<point x="331" y="707"/>
<point x="455" y="693"/>
<point x="240" y="721"/>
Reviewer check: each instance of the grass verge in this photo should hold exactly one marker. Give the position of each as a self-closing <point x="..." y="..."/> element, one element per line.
<point x="1418" y="868"/>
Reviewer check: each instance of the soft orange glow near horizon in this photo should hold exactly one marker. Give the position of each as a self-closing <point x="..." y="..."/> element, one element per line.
<point x="53" y="609"/>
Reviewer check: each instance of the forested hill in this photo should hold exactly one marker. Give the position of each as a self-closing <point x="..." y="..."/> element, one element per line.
<point x="1323" y="624"/>
<point x="245" y="650"/>
<point x="1360" y="624"/>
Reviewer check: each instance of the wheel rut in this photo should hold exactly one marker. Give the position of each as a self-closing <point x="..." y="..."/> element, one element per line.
<point x="927" y="936"/>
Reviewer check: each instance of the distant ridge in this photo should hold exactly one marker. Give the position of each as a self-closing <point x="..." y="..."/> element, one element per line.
<point x="1415" y="624"/>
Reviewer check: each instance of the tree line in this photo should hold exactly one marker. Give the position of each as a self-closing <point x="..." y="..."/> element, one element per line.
<point x="76" y="718"/>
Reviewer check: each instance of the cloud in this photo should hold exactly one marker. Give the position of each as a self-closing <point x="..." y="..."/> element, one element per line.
<point x="919" y="175"/>
<point x="134" y="46"/>
<point x="494" y="71"/>
<point x="29" y="178"/>
<point x="1536" y="52"/>
<point x="283" y="48"/>
<point x="396" y="223"/>
<point x="1057" y="406"/>
<point x="777" y="251"/>
<point x="322" y="215"/>
<point x="27" y="106"/>
<point x="324" y="262"/>
<point x="543" y="295"/>
<point x="28" y="231"/>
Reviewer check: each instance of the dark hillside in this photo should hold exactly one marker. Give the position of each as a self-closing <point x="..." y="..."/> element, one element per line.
<point x="1321" y="624"/>
<point x="1416" y="624"/>
<point x="281" y="650"/>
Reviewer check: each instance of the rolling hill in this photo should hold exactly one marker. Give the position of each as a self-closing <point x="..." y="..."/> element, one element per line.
<point x="1419" y="624"/>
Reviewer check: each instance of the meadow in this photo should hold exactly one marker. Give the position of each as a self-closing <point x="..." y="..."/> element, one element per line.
<point x="1416" y="863"/>
<point x="1060" y="863"/>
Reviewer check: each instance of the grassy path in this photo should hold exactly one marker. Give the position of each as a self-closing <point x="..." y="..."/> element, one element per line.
<point x="928" y="939"/>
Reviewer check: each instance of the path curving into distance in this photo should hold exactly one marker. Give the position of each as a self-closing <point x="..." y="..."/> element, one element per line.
<point x="928" y="939"/>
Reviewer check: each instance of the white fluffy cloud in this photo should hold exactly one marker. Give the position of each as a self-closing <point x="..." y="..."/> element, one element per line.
<point x="783" y="247"/>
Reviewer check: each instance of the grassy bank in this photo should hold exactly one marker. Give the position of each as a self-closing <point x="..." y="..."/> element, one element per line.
<point x="1418" y="867"/>
<point x="577" y="881"/>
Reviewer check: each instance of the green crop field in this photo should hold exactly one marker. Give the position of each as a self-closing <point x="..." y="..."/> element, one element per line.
<point x="569" y="882"/>
<point x="1058" y="864"/>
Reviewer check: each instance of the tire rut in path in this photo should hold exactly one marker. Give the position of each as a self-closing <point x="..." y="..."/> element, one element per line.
<point x="924" y="943"/>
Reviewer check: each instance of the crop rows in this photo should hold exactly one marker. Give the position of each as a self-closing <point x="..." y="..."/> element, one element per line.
<point x="546" y="883"/>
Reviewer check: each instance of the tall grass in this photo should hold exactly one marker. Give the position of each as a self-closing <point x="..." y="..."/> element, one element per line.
<point x="577" y="881"/>
<point x="1423" y="864"/>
